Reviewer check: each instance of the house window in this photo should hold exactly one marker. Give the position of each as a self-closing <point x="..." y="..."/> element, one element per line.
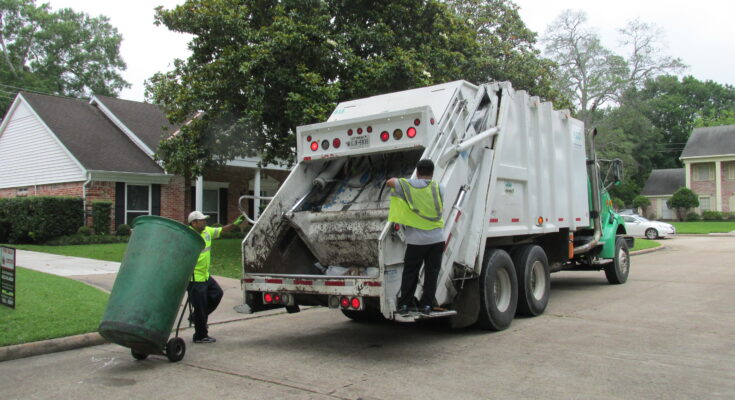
<point x="704" y="172"/>
<point x="210" y="204"/>
<point x="730" y="171"/>
<point x="705" y="204"/>
<point x="137" y="202"/>
<point x="22" y="192"/>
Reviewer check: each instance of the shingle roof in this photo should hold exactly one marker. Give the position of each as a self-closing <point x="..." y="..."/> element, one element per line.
<point x="147" y="121"/>
<point x="711" y="141"/>
<point x="93" y="140"/>
<point x="663" y="182"/>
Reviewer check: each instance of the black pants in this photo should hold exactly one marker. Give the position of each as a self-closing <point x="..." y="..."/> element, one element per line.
<point x="204" y="297"/>
<point x="430" y="255"/>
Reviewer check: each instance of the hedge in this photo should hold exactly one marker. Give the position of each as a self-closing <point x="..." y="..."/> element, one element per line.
<point x="38" y="219"/>
<point x="101" y="217"/>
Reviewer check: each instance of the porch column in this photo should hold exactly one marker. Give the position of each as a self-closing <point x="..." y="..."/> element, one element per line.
<point x="718" y="186"/>
<point x="688" y="174"/>
<point x="199" y="194"/>
<point x="256" y="193"/>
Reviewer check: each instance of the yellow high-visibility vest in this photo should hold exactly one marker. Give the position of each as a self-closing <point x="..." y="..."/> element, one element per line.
<point x="419" y="208"/>
<point x="201" y="271"/>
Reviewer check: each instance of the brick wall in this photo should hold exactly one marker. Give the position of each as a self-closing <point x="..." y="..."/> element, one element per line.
<point x="728" y="186"/>
<point x="71" y="189"/>
<point x="238" y="179"/>
<point x="100" y="191"/>
<point x="174" y="200"/>
<point x="704" y="188"/>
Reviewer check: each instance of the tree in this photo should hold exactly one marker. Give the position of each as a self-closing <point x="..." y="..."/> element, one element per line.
<point x="682" y="200"/>
<point x="260" y="68"/>
<point x="595" y="76"/>
<point x="641" y="202"/>
<point x="60" y="52"/>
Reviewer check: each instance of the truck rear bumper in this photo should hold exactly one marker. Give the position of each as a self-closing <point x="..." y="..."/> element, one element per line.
<point x="314" y="284"/>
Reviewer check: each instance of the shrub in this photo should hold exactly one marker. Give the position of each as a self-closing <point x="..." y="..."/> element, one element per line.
<point x="618" y="204"/>
<point x="84" y="231"/>
<point x="712" y="215"/>
<point x="101" y="217"/>
<point x="82" y="239"/>
<point x="692" y="216"/>
<point x="682" y="200"/>
<point x="641" y="202"/>
<point x="730" y="216"/>
<point x="123" y="230"/>
<point x="38" y="219"/>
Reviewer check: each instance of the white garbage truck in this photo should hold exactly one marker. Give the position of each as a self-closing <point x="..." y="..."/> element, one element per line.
<point x="524" y="196"/>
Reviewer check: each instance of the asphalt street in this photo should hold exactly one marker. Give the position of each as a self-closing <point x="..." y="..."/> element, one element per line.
<point x="668" y="333"/>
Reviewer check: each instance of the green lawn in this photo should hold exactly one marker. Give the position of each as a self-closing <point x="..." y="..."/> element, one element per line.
<point x="226" y="257"/>
<point x="49" y="306"/>
<point x="704" y="226"/>
<point x="642" y="244"/>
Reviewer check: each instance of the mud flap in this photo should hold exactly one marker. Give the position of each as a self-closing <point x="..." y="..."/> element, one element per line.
<point x="467" y="305"/>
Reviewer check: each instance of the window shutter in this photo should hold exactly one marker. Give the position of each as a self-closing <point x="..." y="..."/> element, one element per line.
<point x="119" y="203"/>
<point x="223" y="206"/>
<point x="193" y="198"/>
<point x="155" y="199"/>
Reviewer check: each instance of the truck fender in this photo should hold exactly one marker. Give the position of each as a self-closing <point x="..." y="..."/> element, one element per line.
<point x="467" y="304"/>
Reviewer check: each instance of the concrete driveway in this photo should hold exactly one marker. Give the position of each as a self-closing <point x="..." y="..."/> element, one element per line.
<point x="668" y="333"/>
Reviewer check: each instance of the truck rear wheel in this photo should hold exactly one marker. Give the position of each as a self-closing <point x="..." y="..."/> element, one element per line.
<point x="617" y="271"/>
<point x="534" y="283"/>
<point x="498" y="291"/>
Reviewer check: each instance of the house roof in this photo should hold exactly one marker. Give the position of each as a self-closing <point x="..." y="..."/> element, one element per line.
<point x="664" y="182"/>
<point x="147" y="121"/>
<point x="710" y="141"/>
<point x="90" y="136"/>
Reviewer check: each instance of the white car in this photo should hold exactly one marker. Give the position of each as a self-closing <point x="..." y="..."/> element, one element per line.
<point x="636" y="225"/>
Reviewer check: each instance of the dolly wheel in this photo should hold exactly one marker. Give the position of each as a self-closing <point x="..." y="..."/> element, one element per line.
<point x="175" y="349"/>
<point x="137" y="355"/>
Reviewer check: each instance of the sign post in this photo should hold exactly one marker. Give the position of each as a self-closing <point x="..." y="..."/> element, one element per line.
<point x="7" y="276"/>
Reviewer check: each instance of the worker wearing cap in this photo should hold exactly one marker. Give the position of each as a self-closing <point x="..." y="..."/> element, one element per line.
<point x="204" y="292"/>
<point x="417" y="205"/>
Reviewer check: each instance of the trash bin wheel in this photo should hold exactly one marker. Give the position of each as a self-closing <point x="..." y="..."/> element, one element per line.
<point x="175" y="349"/>
<point x="137" y="355"/>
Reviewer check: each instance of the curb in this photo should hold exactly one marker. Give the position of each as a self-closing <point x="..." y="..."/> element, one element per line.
<point x="644" y="251"/>
<point x="31" y="349"/>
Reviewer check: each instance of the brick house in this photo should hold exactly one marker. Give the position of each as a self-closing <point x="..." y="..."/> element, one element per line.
<point x="709" y="162"/>
<point x="102" y="149"/>
<point x="660" y="186"/>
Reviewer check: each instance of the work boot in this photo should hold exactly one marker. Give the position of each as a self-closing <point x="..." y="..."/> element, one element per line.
<point x="426" y="310"/>
<point x="206" y="339"/>
<point x="403" y="310"/>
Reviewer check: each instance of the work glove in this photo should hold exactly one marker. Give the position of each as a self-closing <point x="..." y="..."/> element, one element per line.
<point x="239" y="220"/>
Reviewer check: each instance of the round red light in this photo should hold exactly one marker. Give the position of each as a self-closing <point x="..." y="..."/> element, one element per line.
<point x="268" y="298"/>
<point x="417" y="122"/>
<point x="336" y="143"/>
<point x="432" y="121"/>
<point x="344" y="302"/>
<point x="396" y="227"/>
<point x="349" y="132"/>
<point x="384" y="136"/>
<point x="359" y="131"/>
<point x="325" y="144"/>
<point x="308" y="138"/>
<point x="277" y="298"/>
<point x="411" y="132"/>
<point x="355" y="303"/>
<point x="314" y="146"/>
<point x="369" y="129"/>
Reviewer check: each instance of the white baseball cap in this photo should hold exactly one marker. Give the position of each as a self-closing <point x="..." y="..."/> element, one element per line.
<point x="196" y="216"/>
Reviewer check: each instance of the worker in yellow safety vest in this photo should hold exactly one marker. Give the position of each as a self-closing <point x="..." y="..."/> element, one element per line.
<point x="204" y="292"/>
<point x="417" y="205"/>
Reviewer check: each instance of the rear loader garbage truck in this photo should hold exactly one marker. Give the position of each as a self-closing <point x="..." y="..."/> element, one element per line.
<point x="524" y="196"/>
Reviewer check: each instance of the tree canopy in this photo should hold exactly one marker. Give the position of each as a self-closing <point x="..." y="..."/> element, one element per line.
<point x="59" y="52"/>
<point x="260" y="68"/>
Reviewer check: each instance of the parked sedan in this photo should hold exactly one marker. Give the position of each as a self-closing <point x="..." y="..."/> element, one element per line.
<point x="639" y="226"/>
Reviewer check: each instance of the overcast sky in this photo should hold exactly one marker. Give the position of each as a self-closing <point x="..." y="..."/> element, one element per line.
<point x="700" y="32"/>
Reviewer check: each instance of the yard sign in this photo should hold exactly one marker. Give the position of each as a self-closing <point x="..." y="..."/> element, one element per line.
<point x="7" y="276"/>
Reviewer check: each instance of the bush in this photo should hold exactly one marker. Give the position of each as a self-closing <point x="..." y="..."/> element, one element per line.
<point x="692" y="216"/>
<point x="38" y="219"/>
<point x="101" y="217"/>
<point x="82" y="239"/>
<point x="84" y="231"/>
<point x="712" y="216"/>
<point x="682" y="200"/>
<point x="730" y="216"/>
<point x="123" y="230"/>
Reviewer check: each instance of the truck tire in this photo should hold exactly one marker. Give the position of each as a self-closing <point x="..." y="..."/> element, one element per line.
<point x="534" y="281"/>
<point x="617" y="271"/>
<point x="498" y="291"/>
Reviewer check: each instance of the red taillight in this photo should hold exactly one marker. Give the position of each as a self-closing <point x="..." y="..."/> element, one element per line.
<point x="411" y="132"/>
<point x="397" y="134"/>
<point x="349" y="132"/>
<point x="314" y="146"/>
<point x="396" y="227"/>
<point x="336" y="143"/>
<point x="384" y="136"/>
<point x="369" y="129"/>
<point x="276" y="298"/>
<point x="432" y="121"/>
<point x="344" y="302"/>
<point x="359" y="131"/>
<point x="308" y="138"/>
<point x="268" y="298"/>
<point x="355" y="303"/>
<point x="417" y="122"/>
<point x="325" y="144"/>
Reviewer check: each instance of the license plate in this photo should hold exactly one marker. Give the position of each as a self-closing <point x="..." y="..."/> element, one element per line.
<point x="357" y="142"/>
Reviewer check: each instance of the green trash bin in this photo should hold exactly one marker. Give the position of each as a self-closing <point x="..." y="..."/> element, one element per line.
<point x="145" y="299"/>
